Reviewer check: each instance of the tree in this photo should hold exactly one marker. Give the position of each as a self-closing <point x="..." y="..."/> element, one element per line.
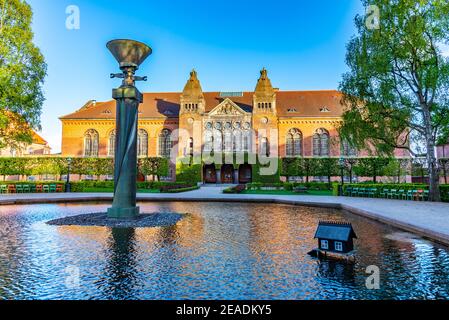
<point x="289" y="167"/>
<point x="327" y="167"/>
<point x="372" y="167"/>
<point x="22" y="72"/>
<point x="307" y="167"/>
<point x="398" y="85"/>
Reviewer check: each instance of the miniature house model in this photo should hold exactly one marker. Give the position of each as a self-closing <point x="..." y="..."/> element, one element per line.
<point x="335" y="237"/>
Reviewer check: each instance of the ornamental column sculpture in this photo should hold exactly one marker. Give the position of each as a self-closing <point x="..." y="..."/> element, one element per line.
<point x="130" y="55"/>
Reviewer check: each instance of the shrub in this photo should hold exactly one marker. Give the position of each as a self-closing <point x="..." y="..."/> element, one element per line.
<point x="444" y="192"/>
<point x="235" y="190"/>
<point x="171" y="188"/>
<point x="263" y="178"/>
<point x="180" y="190"/>
<point x="188" y="173"/>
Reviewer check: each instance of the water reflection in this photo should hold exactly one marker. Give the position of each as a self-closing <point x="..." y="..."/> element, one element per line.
<point x="219" y="251"/>
<point x="121" y="267"/>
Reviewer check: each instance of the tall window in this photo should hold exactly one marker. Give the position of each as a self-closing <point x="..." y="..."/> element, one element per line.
<point x="91" y="143"/>
<point x="165" y="143"/>
<point x="348" y="150"/>
<point x="246" y="141"/>
<point x="111" y="144"/>
<point x="228" y="145"/>
<point x="264" y="147"/>
<point x="218" y="141"/>
<point x="294" y="143"/>
<point x="142" y="143"/>
<point x="237" y="141"/>
<point x="321" y="143"/>
<point x="208" y="141"/>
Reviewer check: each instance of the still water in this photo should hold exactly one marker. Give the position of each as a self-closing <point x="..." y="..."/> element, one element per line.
<point x="220" y="251"/>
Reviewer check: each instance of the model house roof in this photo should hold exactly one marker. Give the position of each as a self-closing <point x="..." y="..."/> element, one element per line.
<point x="167" y="105"/>
<point x="338" y="231"/>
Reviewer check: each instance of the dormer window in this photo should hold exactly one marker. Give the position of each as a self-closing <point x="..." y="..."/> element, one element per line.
<point x="324" y="109"/>
<point x="292" y="110"/>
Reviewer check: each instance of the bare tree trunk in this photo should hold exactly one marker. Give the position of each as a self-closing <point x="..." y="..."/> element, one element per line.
<point x="433" y="167"/>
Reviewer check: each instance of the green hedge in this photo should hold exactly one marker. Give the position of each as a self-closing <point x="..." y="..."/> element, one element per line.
<point x="82" y="186"/>
<point x="235" y="190"/>
<point x="31" y="183"/>
<point x="28" y="166"/>
<point x="182" y="190"/>
<point x="330" y="167"/>
<point x="259" y="176"/>
<point x="188" y="173"/>
<point x="288" y="186"/>
<point x="381" y="186"/>
<point x="444" y="192"/>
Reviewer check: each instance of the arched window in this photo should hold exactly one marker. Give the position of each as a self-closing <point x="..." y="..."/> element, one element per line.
<point x="347" y="150"/>
<point x="321" y="143"/>
<point x="91" y="143"/>
<point x="246" y="141"/>
<point x="218" y="141"/>
<point x="237" y="141"/>
<point x="165" y="143"/>
<point x="142" y="143"/>
<point x="264" y="147"/>
<point x="111" y="144"/>
<point x="208" y="141"/>
<point x="294" y="143"/>
<point x="227" y="141"/>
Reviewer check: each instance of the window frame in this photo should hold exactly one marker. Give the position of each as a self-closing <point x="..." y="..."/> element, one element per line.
<point x="324" y="244"/>
<point x="338" y="246"/>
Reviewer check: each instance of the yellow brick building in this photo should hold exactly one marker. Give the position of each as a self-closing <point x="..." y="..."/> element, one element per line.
<point x="177" y="125"/>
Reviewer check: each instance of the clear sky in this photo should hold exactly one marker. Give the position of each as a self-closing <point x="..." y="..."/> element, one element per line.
<point x="300" y="42"/>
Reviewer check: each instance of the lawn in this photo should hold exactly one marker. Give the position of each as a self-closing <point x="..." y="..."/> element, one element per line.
<point x="290" y="193"/>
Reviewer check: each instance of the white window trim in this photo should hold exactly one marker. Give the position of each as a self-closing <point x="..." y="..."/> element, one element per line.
<point x="325" y="244"/>
<point x="338" y="246"/>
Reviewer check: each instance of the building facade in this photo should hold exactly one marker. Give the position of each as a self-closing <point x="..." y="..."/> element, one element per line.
<point x="267" y="121"/>
<point x="39" y="147"/>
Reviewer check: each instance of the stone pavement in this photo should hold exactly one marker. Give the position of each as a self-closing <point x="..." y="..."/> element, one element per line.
<point x="430" y="220"/>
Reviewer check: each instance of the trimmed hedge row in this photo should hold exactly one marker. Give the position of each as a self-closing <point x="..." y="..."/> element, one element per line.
<point x="288" y="186"/>
<point x="28" y="166"/>
<point x="381" y="186"/>
<point x="187" y="189"/>
<point x="82" y="186"/>
<point x="31" y="183"/>
<point x="330" y="167"/>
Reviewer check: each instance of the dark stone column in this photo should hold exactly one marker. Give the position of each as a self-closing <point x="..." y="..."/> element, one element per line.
<point x="125" y="172"/>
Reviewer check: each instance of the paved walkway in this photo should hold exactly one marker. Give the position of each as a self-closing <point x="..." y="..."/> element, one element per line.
<point x="430" y="220"/>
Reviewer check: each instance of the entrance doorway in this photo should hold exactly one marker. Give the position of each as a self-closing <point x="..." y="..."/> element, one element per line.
<point x="245" y="174"/>
<point x="227" y="174"/>
<point x="210" y="174"/>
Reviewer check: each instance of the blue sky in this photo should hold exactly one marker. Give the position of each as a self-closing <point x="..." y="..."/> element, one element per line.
<point x="301" y="43"/>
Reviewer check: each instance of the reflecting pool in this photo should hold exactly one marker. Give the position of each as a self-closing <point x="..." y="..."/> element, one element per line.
<point x="220" y="251"/>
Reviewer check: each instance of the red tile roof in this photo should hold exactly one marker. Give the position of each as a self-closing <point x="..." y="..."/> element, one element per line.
<point x="166" y="105"/>
<point x="37" y="139"/>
